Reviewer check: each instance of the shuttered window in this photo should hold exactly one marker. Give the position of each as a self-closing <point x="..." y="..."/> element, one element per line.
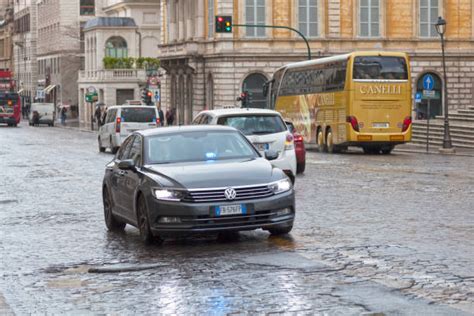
<point x="428" y="17"/>
<point x="369" y="18"/>
<point x="210" y="18"/>
<point x="308" y="17"/>
<point x="255" y="14"/>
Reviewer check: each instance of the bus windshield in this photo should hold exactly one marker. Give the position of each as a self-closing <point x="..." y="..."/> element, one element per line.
<point x="380" y="68"/>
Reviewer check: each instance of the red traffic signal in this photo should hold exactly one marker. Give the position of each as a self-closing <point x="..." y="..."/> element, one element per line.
<point x="223" y="24"/>
<point x="149" y="94"/>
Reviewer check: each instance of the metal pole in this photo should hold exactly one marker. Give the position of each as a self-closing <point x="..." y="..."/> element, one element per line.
<point x="92" y="116"/>
<point x="447" y="136"/>
<point x="279" y="27"/>
<point x="428" y="127"/>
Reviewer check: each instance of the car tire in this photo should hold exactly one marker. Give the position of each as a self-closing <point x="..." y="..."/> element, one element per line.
<point x="301" y="167"/>
<point x="101" y="149"/>
<point x="387" y="150"/>
<point x="143" y="222"/>
<point x="281" y="229"/>
<point x="320" y="141"/>
<point x="110" y="220"/>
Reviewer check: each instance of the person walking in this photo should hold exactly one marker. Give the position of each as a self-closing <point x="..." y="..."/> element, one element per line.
<point x="63" y="115"/>
<point x="170" y="116"/>
<point x="98" y="115"/>
<point x="161" y="116"/>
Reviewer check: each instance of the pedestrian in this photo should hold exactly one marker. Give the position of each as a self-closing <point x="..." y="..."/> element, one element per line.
<point x="170" y="115"/>
<point x="104" y="115"/>
<point x="63" y="115"/>
<point x="98" y="116"/>
<point x="161" y="116"/>
<point x="23" y="111"/>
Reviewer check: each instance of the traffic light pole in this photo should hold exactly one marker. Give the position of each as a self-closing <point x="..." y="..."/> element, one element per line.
<point x="279" y="27"/>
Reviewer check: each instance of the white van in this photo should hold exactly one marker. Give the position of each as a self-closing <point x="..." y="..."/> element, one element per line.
<point x="122" y="120"/>
<point x="43" y="112"/>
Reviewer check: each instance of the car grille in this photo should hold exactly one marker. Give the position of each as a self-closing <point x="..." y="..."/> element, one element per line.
<point x="217" y="195"/>
<point x="206" y="222"/>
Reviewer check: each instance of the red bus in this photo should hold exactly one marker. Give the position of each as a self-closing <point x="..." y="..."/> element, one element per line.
<point x="10" y="103"/>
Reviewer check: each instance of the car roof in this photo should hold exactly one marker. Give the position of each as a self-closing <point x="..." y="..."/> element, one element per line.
<point x="236" y="111"/>
<point x="184" y="129"/>
<point x="112" y="107"/>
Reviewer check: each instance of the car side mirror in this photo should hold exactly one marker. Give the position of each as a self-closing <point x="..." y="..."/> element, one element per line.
<point x="127" y="164"/>
<point x="271" y="155"/>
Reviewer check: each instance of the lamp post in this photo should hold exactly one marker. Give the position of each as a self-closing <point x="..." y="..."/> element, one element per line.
<point x="441" y="29"/>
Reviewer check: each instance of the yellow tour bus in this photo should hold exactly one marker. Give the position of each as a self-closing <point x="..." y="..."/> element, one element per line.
<point x="359" y="99"/>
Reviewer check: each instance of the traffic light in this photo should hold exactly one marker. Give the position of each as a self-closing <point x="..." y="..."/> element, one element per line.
<point x="223" y="24"/>
<point x="149" y="96"/>
<point x="244" y="98"/>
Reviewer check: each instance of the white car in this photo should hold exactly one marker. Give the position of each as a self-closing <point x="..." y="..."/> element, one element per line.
<point x="122" y="120"/>
<point x="41" y="113"/>
<point x="266" y="129"/>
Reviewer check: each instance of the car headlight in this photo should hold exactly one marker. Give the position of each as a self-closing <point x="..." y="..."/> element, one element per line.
<point x="168" y="194"/>
<point x="281" y="186"/>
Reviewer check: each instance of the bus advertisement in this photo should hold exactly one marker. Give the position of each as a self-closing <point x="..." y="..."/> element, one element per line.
<point x="360" y="99"/>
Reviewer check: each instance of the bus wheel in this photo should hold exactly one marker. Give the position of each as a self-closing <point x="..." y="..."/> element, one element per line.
<point x="330" y="147"/>
<point x="320" y="141"/>
<point x="387" y="150"/>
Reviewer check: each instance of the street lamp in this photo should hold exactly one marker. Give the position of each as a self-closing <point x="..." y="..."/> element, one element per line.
<point x="441" y="29"/>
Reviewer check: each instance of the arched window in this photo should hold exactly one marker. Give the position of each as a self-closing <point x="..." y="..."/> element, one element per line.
<point x="253" y="84"/>
<point x="116" y="46"/>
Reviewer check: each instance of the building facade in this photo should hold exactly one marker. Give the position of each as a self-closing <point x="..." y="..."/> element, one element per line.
<point x="126" y="29"/>
<point x="207" y="70"/>
<point x="24" y="49"/>
<point x="6" y="32"/>
<point x="60" y="49"/>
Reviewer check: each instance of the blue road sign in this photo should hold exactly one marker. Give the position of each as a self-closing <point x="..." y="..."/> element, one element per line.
<point x="418" y="97"/>
<point x="428" y="82"/>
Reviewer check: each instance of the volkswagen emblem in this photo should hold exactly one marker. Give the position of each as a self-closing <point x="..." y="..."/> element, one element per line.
<point x="230" y="193"/>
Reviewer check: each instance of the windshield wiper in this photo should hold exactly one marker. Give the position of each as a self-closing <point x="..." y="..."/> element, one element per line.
<point x="263" y="132"/>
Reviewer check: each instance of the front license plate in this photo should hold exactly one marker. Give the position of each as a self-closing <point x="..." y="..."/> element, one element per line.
<point x="380" y="125"/>
<point x="226" y="210"/>
<point x="262" y="146"/>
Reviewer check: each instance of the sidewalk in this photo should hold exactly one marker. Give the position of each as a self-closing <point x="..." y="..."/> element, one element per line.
<point x="433" y="150"/>
<point x="74" y="125"/>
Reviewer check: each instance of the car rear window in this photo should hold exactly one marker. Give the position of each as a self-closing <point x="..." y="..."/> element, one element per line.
<point x="258" y="124"/>
<point x="138" y="115"/>
<point x="380" y="67"/>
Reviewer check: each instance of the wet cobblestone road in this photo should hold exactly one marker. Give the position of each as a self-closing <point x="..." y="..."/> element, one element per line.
<point x="391" y="234"/>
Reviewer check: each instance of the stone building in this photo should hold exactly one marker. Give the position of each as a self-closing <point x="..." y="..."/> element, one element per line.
<point x="6" y="32"/>
<point x="60" y="48"/>
<point x="24" y="49"/>
<point x="207" y="70"/>
<point x="125" y="29"/>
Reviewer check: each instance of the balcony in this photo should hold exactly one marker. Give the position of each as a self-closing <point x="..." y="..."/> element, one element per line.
<point x="113" y="75"/>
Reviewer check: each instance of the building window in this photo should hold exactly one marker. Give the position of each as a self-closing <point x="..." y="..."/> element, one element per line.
<point x="428" y="17"/>
<point x="210" y="18"/>
<point x="255" y="14"/>
<point x="116" y="46"/>
<point x="87" y="7"/>
<point x="369" y="24"/>
<point x="308" y="17"/>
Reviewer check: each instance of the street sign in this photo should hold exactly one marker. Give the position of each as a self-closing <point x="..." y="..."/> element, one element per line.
<point x="156" y="94"/>
<point x="430" y="94"/>
<point x="418" y="97"/>
<point x="91" y="90"/>
<point x="428" y="82"/>
<point x="92" y="97"/>
<point x="40" y="94"/>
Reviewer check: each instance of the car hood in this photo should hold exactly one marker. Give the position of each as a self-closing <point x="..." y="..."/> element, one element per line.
<point x="215" y="174"/>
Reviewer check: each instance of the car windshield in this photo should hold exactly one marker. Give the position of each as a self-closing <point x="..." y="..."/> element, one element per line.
<point x="197" y="146"/>
<point x="138" y="115"/>
<point x="257" y="124"/>
<point x="380" y="67"/>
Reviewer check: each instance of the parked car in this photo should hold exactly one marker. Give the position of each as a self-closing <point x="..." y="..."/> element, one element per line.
<point x="264" y="128"/>
<point x="41" y="113"/>
<point x="121" y="121"/>
<point x="194" y="179"/>
<point x="300" y="149"/>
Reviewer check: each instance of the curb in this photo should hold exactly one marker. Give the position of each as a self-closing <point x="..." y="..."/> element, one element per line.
<point x="74" y="128"/>
<point x="420" y="151"/>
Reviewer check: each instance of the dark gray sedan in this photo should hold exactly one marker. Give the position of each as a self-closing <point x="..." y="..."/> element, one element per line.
<point x="191" y="179"/>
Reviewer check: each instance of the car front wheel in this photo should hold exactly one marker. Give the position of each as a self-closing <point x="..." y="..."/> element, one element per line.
<point x="110" y="221"/>
<point x="144" y="224"/>
<point x="281" y="229"/>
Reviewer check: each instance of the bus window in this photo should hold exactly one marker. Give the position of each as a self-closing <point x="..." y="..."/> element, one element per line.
<point x="380" y="67"/>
